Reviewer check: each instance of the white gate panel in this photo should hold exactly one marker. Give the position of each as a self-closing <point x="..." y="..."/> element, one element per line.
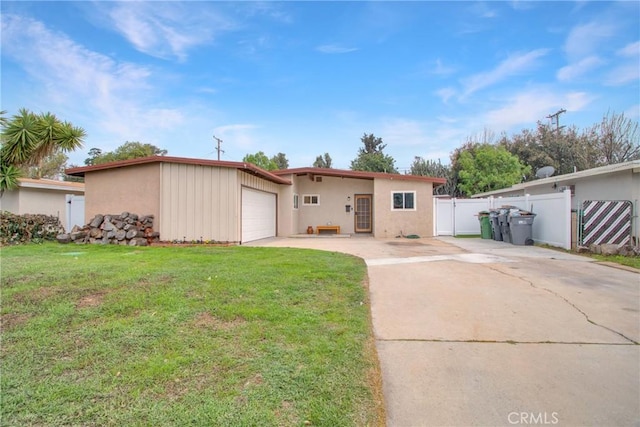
<point x="258" y="215"/>
<point x="75" y="211"/>
<point x="444" y="217"/>
<point x="466" y="215"/>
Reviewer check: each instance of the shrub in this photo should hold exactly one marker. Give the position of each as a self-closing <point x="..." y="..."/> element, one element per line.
<point x="28" y="228"/>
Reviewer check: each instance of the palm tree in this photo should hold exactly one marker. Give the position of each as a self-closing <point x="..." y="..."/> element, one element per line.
<point x="28" y="138"/>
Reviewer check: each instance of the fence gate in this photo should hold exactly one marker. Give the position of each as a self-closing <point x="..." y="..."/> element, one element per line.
<point x="606" y="221"/>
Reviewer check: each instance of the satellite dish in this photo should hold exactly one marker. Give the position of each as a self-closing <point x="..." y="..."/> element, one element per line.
<point x="545" y="172"/>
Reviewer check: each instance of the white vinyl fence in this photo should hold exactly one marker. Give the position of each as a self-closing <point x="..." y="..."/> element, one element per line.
<point x="552" y="224"/>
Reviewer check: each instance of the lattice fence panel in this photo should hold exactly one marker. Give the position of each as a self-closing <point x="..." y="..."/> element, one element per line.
<point x="606" y="222"/>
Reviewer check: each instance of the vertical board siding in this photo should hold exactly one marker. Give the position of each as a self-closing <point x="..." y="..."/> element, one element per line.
<point x="199" y="202"/>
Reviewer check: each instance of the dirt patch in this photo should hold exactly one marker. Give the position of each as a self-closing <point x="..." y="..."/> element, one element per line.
<point x="206" y="320"/>
<point x="93" y="300"/>
<point x="11" y="320"/>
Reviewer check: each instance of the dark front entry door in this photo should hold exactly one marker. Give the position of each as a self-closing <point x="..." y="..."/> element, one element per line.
<point x="363" y="213"/>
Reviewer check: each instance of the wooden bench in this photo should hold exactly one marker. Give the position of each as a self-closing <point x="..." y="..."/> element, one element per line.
<point x="335" y="228"/>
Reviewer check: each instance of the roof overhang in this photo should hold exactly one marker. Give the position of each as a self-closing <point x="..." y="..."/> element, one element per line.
<point x="50" y="184"/>
<point x="243" y="166"/>
<point x="342" y="173"/>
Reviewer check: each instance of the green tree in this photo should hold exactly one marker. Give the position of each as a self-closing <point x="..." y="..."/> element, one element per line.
<point x="422" y="167"/>
<point x="128" y="150"/>
<point x="371" y="157"/>
<point x="488" y="167"/>
<point x="323" y="161"/>
<point x="616" y="139"/>
<point x="28" y="139"/>
<point x="261" y="160"/>
<point x="51" y="167"/>
<point x="281" y="161"/>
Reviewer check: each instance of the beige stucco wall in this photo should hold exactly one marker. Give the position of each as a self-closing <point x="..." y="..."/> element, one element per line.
<point x="333" y="193"/>
<point x="25" y="200"/>
<point x="287" y="215"/>
<point x="390" y="223"/>
<point x="134" y="189"/>
<point x="10" y="202"/>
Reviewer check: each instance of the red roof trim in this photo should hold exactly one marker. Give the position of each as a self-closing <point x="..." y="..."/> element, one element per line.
<point x="245" y="167"/>
<point x="359" y="174"/>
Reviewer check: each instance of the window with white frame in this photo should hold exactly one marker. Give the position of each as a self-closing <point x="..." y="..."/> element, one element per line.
<point x="295" y="201"/>
<point x="310" y="200"/>
<point x="403" y="200"/>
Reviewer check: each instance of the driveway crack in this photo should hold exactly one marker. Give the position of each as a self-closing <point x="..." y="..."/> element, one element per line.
<point x="586" y="316"/>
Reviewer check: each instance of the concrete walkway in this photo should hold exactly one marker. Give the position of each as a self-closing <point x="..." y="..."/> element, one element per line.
<point x="477" y="332"/>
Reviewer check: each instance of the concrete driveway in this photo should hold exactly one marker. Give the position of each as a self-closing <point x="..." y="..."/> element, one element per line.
<point x="477" y="332"/>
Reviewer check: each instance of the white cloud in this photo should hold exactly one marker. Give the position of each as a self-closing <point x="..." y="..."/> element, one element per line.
<point x="166" y="29"/>
<point x="445" y="93"/>
<point x="627" y="70"/>
<point x="241" y="134"/>
<point x="531" y="106"/>
<point x="441" y="69"/>
<point x="513" y="65"/>
<point x="334" y="48"/>
<point x="630" y="50"/>
<point x="118" y="97"/>
<point x="623" y="74"/>
<point x="584" y="40"/>
<point x="573" y="71"/>
<point x="401" y="131"/>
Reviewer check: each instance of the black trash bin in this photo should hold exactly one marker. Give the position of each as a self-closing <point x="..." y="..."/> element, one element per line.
<point x="495" y="225"/>
<point x="520" y="227"/>
<point x="503" y="220"/>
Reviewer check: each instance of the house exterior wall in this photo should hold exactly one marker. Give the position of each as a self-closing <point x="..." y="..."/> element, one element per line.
<point x="10" y="202"/>
<point x="198" y="202"/>
<point x="44" y="201"/>
<point x="621" y="185"/>
<point x="333" y="193"/>
<point x="204" y="202"/>
<point x="287" y="215"/>
<point x="391" y="223"/>
<point x="614" y="186"/>
<point x="127" y="189"/>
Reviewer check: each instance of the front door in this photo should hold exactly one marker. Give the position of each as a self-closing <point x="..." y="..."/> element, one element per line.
<point x="363" y="213"/>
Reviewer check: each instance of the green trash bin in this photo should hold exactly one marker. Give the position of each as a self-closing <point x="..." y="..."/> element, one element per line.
<point x="485" y="225"/>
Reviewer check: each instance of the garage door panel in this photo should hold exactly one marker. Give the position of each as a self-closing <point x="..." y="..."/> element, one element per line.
<point x="258" y="215"/>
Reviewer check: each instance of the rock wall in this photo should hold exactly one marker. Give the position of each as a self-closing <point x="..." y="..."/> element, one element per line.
<point x="124" y="229"/>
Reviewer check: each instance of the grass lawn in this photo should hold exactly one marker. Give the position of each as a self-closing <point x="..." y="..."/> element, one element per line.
<point x="619" y="259"/>
<point x="233" y="336"/>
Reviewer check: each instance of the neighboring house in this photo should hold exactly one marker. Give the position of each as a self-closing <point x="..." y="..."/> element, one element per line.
<point x="617" y="183"/>
<point x="197" y="199"/>
<point x="42" y="196"/>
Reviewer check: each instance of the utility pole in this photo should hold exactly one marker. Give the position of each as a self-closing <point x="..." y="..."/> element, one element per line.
<point x="218" y="148"/>
<point x="555" y="118"/>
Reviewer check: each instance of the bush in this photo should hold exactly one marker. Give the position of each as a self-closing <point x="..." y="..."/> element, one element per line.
<point x="28" y="228"/>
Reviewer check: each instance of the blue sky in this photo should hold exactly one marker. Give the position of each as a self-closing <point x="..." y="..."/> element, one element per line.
<point x="305" y="78"/>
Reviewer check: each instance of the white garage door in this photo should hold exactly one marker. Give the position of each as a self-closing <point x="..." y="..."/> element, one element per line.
<point x="258" y="215"/>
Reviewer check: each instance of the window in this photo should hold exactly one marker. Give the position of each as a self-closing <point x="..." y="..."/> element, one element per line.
<point x="403" y="200"/>
<point x="310" y="200"/>
<point x="295" y="201"/>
